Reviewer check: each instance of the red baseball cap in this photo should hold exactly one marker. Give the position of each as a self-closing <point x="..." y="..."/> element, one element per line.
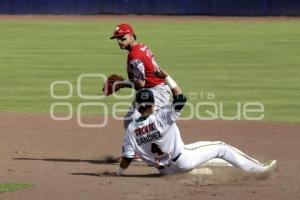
<point x="122" y="29"/>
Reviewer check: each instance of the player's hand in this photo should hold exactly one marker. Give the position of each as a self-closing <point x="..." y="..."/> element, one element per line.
<point x="112" y="84"/>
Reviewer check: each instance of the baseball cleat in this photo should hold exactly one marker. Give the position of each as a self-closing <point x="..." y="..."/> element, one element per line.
<point x="270" y="166"/>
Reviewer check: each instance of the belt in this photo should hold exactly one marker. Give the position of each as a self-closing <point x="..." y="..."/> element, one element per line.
<point x="174" y="160"/>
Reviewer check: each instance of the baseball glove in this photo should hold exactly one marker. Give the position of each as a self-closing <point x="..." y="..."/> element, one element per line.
<point x="111" y="84"/>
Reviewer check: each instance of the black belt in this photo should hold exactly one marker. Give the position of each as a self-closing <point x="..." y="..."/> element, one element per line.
<point x="174" y="160"/>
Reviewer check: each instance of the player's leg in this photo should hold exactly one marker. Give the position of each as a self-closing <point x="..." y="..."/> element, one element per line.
<point x="213" y="162"/>
<point x="162" y="95"/>
<point x="199" y="153"/>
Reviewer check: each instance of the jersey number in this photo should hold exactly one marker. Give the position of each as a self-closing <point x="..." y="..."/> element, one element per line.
<point x="150" y="55"/>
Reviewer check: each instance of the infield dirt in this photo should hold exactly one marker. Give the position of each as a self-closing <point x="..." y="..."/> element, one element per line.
<point x="65" y="161"/>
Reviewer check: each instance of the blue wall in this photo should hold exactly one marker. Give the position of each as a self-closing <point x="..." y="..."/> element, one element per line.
<point x="172" y="7"/>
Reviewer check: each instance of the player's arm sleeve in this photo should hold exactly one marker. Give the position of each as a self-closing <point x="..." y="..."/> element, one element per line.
<point x="136" y="70"/>
<point x="127" y="148"/>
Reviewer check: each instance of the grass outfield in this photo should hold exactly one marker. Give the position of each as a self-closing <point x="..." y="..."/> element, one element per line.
<point x="10" y="187"/>
<point x="236" y="61"/>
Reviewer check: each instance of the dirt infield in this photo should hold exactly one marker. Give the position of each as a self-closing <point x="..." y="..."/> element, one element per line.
<point x="64" y="161"/>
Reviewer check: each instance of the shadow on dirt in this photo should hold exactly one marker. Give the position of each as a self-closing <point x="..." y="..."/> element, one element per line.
<point x="220" y="175"/>
<point x="107" y="160"/>
<point x="109" y="174"/>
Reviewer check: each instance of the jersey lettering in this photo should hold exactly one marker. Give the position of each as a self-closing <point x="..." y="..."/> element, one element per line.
<point x="144" y="130"/>
<point x="143" y="48"/>
<point x="150" y="55"/>
<point x="148" y="139"/>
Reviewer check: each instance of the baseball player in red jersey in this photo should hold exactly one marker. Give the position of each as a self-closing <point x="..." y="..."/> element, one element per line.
<point x="141" y="68"/>
<point x="156" y="138"/>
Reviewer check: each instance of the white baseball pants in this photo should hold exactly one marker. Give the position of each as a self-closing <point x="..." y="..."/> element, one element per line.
<point x="198" y="153"/>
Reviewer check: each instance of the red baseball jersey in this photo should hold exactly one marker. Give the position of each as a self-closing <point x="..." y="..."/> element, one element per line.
<point x="141" y="65"/>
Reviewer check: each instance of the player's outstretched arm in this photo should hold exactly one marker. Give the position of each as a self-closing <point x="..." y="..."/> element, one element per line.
<point x="175" y="89"/>
<point x="124" y="164"/>
<point x="179" y="98"/>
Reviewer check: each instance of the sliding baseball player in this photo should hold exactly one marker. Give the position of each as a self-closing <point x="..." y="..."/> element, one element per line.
<point x="156" y="138"/>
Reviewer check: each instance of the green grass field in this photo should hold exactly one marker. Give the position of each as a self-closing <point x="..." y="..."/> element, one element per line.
<point x="237" y="61"/>
<point x="11" y="187"/>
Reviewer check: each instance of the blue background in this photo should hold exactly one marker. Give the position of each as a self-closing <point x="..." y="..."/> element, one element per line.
<point x="169" y="7"/>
